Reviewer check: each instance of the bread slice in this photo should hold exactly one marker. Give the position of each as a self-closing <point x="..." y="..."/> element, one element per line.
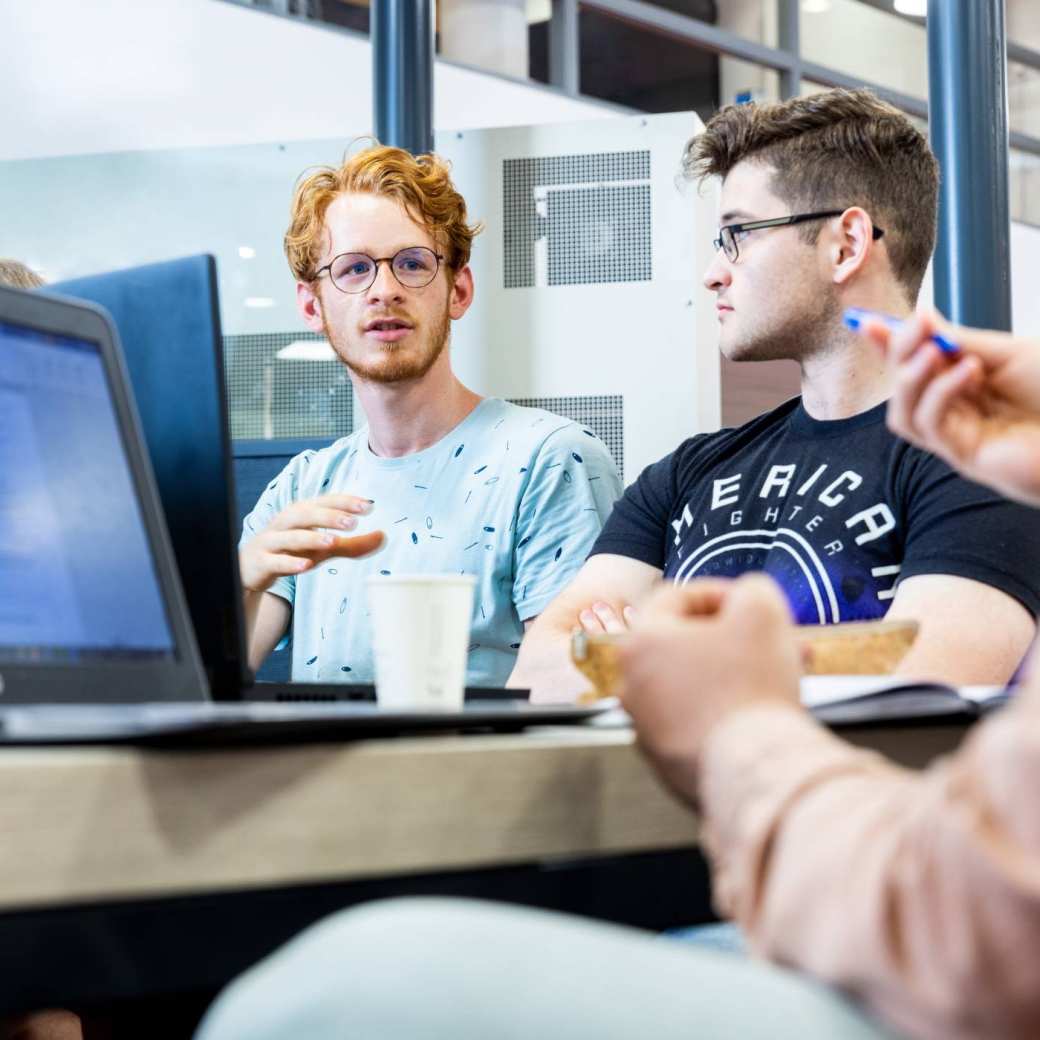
<point x="849" y="648"/>
<point x="856" y="647"/>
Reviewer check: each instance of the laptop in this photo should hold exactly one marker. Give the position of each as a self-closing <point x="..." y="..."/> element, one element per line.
<point x="96" y="642"/>
<point x="91" y="607"/>
<point x="168" y="317"/>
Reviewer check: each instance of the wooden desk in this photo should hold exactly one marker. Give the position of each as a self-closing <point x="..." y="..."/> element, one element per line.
<point x="114" y="823"/>
<point x="131" y="872"/>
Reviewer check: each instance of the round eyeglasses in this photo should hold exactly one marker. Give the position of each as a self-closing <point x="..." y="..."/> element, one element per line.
<point x="413" y="268"/>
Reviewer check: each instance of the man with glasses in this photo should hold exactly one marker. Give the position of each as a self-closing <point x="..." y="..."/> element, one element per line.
<point x="440" y="479"/>
<point x="912" y="895"/>
<point x="827" y="202"/>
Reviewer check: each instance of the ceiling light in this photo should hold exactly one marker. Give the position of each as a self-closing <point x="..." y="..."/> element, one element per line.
<point x="259" y="301"/>
<point x="246" y="252"/>
<point x="816" y="6"/>
<point x="307" y="350"/>
<point x="917" y="8"/>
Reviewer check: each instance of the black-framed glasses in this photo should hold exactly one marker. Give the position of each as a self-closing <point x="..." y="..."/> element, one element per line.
<point x="413" y="267"/>
<point x="731" y="235"/>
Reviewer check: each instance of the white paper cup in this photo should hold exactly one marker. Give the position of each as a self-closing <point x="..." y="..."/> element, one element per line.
<point x="420" y="638"/>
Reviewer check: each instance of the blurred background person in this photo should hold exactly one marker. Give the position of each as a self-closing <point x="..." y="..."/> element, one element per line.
<point x="16" y="274"/>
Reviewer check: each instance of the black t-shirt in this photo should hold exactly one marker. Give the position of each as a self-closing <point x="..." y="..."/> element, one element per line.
<point x="836" y="511"/>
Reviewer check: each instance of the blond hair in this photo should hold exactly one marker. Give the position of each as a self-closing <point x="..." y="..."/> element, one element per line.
<point x="420" y="183"/>
<point x="14" y="272"/>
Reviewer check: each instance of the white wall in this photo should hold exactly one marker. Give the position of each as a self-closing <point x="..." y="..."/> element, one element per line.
<point x="865" y="42"/>
<point x="114" y="75"/>
<point x="753" y="20"/>
<point x="551" y="338"/>
<point x="491" y="34"/>
<point x="1025" y="263"/>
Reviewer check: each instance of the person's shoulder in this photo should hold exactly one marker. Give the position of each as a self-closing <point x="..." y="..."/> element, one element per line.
<point x="923" y="477"/>
<point x="765" y="423"/>
<point x="522" y="416"/>
<point x="913" y="465"/>
<point x="537" y="428"/>
<point x="750" y="430"/>
<point x="717" y="443"/>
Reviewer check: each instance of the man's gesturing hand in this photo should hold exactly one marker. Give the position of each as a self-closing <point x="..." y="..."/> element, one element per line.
<point x="697" y="654"/>
<point x="302" y="536"/>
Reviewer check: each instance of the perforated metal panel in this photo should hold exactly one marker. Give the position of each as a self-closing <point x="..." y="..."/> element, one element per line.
<point x="603" y="414"/>
<point x="269" y="397"/>
<point x="577" y="219"/>
<point x="599" y="235"/>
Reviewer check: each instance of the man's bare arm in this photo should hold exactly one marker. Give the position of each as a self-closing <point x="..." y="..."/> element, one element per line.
<point x="267" y="620"/>
<point x="970" y="632"/>
<point x="295" y="540"/>
<point x="543" y="664"/>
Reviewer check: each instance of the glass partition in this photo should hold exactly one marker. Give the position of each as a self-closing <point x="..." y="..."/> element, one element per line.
<point x="105" y="212"/>
<point x="888" y="50"/>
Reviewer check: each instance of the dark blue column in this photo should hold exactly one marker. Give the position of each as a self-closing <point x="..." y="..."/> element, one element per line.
<point x="402" y="73"/>
<point x="968" y="122"/>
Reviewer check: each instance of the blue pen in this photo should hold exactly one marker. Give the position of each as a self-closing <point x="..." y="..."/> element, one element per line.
<point x="855" y="317"/>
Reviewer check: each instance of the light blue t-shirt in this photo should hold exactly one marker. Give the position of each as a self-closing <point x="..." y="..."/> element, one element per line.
<point x="515" y="496"/>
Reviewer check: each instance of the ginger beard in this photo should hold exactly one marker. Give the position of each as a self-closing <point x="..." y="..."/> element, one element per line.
<point x="399" y="362"/>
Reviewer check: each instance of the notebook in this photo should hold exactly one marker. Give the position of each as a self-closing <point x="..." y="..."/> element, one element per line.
<point x="851" y="699"/>
<point x="96" y="643"/>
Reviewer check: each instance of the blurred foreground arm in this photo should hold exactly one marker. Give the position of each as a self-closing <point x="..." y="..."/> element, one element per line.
<point x="918" y="893"/>
<point x="979" y="411"/>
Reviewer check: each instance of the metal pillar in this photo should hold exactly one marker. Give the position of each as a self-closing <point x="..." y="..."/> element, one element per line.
<point x="402" y="73"/>
<point x="789" y="17"/>
<point x="564" y="55"/>
<point x="968" y="117"/>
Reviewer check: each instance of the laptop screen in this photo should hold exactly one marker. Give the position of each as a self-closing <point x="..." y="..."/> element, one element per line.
<point x="77" y="575"/>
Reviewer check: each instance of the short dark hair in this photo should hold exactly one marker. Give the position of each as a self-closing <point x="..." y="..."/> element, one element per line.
<point x="833" y="149"/>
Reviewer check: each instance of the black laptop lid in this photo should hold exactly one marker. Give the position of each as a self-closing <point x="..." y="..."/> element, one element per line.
<point x="168" y="319"/>
<point x="91" y="609"/>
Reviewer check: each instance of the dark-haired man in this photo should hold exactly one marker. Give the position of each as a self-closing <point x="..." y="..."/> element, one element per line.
<point x="913" y="894"/>
<point x="828" y="202"/>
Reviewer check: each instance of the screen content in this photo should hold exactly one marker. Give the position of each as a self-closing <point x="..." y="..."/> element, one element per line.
<point x="77" y="576"/>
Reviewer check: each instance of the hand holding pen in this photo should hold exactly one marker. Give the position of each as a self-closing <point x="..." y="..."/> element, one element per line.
<point x="856" y="318"/>
<point x="970" y="396"/>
